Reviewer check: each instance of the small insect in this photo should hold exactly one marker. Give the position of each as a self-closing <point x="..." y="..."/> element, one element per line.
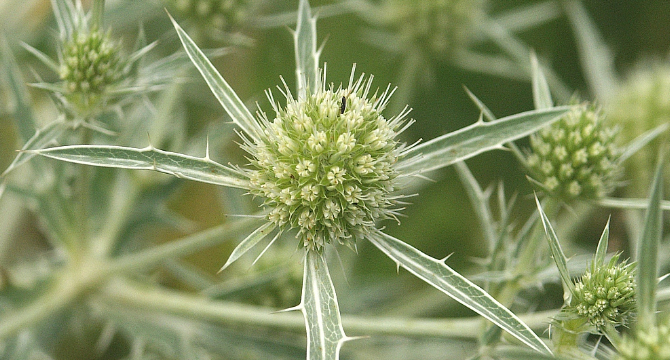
<point x="343" y="106"/>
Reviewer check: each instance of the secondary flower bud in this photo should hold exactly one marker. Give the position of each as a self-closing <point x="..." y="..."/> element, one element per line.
<point x="90" y="63"/>
<point x="605" y="295"/>
<point x="575" y="157"/>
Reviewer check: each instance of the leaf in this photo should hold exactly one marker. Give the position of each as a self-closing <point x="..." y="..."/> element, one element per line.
<point x="325" y="334"/>
<point x="22" y="110"/>
<point x="556" y="251"/>
<point x="541" y="93"/>
<point x="630" y="203"/>
<point x="647" y="252"/>
<point x="39" y="140"/>
<point x="601" y="250"/>
<point x="227" y="97"/>
<point x="642" y="140"/>
<point x="480" y="204"/>
<point x="306" y="55"/>
<point x="149" y="158"/>
<point x="249" y="242"/>
<point x="596" y="59"/>
<point x="476" y="139"/>
<point x="443" y="278"/>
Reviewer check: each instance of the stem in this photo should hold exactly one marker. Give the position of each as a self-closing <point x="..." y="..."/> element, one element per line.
<point x="79" y="278"/>
<point x="184" y="246"/>
<point x="194" y="306"/>
<point x="119" y="211"/>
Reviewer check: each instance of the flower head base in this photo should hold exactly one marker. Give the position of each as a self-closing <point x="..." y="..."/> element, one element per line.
<point x="576" y="157"/>
<point x="605" y="295"/>
<point x="325" y="163"/>
<point x="646" y="345"/>
<point x="441" y="26"/>
<point x="90" y="63"/>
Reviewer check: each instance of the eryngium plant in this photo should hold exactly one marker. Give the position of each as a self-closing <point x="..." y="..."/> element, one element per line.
<point x="328" y="164"/>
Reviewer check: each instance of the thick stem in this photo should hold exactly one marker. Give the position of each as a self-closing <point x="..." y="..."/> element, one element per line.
<point x="194" y="306"/>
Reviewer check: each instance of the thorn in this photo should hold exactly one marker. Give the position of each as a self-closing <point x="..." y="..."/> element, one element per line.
<point x="443" y="260"/>
<point x="352" y="338"/>
<point x="298" y="307"/>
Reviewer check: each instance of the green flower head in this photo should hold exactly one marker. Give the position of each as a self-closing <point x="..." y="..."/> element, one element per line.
<point x="213" y="18"/>
<point x="605" y="295"/>
<point x="646" y="345"/>
<point x="438" y="26"/>
<point x="326" y="163"/>
<point x="641" y="104"/>
<point x="90" y="63"/>
<point x="575" y="157"/>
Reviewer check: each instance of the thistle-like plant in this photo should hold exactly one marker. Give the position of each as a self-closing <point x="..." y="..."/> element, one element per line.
<point x="328" y="164"/>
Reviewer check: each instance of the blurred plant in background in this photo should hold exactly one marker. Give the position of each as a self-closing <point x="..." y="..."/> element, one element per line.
<point x="100" y="263"/>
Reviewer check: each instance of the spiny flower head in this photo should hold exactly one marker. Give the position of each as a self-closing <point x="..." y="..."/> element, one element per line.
<point x="646" y="345"/>
<point x="91" y="62"/>
<point x="576" y="157"/>
<point x="326" y="163"/>
<point x="642" y="103"/>
<point x="605" y="295"/>
<point x="441" y="26"/>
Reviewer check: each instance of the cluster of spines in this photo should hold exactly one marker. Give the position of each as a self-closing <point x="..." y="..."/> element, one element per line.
<point x="326" y="163"/>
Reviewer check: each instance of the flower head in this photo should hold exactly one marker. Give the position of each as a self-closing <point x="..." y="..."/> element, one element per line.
<point x="605" y="295"/>
<point x="213" y="18"/>
<point x="439" y="26"/>
<point x="90" y="63"/>
<point x="575" y="157"/>
<point x="641" y="104"/>
<point x="326" y="163"/>
<point x="653" y="344"/>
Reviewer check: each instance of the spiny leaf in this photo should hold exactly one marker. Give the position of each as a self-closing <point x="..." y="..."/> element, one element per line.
<point x="241" y="116"/>
<point x="475" y="139"/>
<point x="325" y="334"/>
<point x="556" y="250"/>
<point x="445" y="279"/>
<point x="249" y="242"/>
<point x="647" y="252"/>
<point x="149" y="158"/>
<point x="306" y="55"/>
